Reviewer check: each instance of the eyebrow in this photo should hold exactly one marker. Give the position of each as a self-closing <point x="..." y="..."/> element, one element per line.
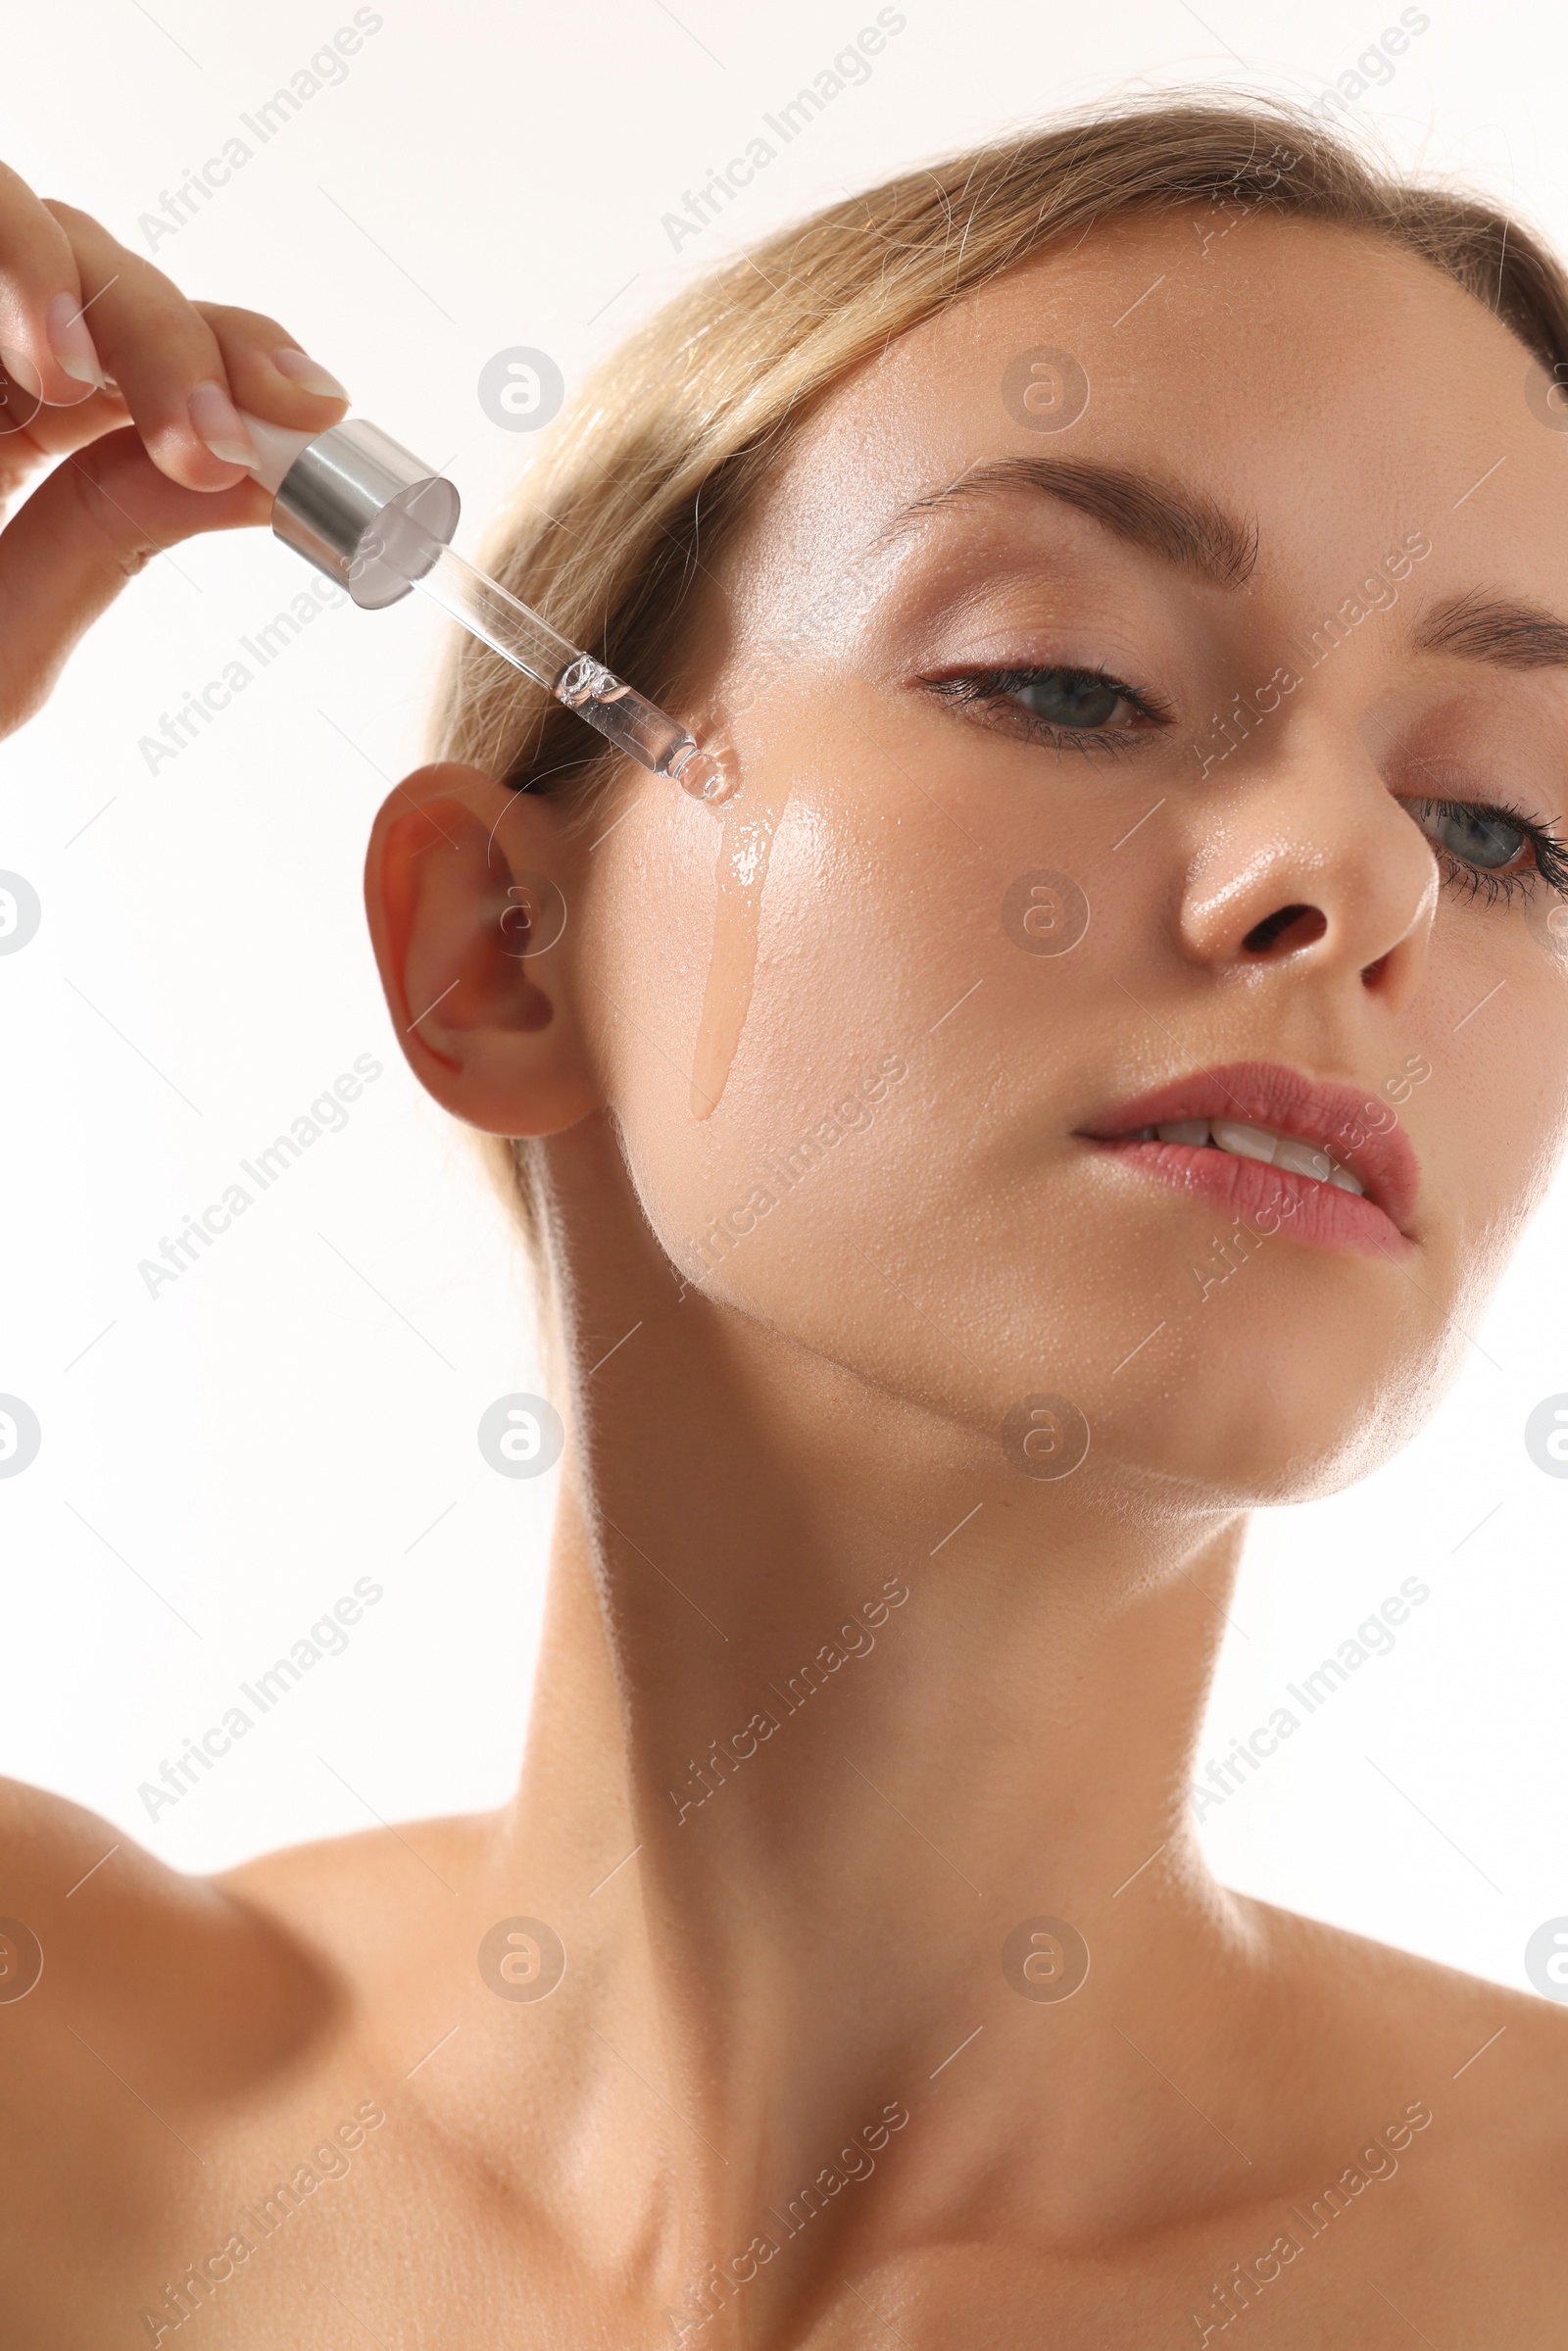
<point x="1477" y="628"/>
<point x="1185" y="527"/>
<point x="1179" y="525"/>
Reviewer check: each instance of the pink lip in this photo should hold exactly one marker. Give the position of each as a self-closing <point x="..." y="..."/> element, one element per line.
<point x="1317" y="1111"/>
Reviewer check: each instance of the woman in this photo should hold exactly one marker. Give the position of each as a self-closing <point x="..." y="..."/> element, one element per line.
<point x="1059" y="1099"/>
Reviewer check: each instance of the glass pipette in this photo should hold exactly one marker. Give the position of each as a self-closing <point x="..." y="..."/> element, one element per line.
<point x="626" y="717"/>
<point x="365" y="511"/>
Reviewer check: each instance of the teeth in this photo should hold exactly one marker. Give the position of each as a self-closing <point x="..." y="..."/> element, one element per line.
<point x="1257" y="1142"/>
<point x="1302" y="1160"/>
<point x="1247" y="1143"/>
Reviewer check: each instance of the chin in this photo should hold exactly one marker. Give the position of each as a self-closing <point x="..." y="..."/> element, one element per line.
<point x="1255" y="1423"/>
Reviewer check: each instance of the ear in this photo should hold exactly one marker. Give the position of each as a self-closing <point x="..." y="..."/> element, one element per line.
<point x="464" y="890"/>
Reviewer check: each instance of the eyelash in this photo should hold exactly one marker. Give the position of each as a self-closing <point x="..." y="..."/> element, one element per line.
<point x="987" y="690"/>
<point x="1476" y="881"/>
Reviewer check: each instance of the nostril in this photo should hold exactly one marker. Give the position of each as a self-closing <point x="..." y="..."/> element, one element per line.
<point x="1300" y="926"/>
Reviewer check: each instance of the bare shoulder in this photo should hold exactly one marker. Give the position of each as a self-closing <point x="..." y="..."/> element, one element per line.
<point x="94" y="1919"/>
<point x="381" y="1865"/>
<point x="366" y="1902"/>
<point x="348" y="1893"/>
<point x="1412" y="2004"/>
<point x="1483" y="2065"/>
<point x="129" y="1989"/>
<point x="116" y="1970"/>
<point x="172" y="2046"/>
<point x="211" y="1983"/>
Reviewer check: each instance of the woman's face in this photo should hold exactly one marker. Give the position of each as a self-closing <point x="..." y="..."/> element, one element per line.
<point x="1144" y="685"/>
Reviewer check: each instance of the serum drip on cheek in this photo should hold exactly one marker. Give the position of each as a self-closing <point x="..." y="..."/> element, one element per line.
<point x="746" y="843"/>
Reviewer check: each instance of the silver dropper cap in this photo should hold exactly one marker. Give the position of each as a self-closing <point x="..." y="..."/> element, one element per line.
<point x="364" y="511"/>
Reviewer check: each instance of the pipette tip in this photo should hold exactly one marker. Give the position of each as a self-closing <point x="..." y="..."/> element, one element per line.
<point x="705" y="776"/>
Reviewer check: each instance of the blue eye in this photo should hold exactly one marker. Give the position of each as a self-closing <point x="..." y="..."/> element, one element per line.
<point x="1060" y="705"/>
<point x="1069" y="698"/>
<point x="1485" y="838"/>
<point x="1491" y="853"/>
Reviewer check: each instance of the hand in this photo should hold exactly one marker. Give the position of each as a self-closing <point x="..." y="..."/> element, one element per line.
<point x="107" y="368"/>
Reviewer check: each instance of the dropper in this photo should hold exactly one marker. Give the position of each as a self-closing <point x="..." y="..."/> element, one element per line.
<point x="368" y="514"/>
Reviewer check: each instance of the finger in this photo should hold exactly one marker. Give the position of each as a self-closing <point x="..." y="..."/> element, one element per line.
<point x="45" y="343"/>
<point x="268" y="374"/>
<point x="168" y="363"/>
<point x="164" y="357"/>
<point x="31" y="434"/>
<point x="87" y="529"/>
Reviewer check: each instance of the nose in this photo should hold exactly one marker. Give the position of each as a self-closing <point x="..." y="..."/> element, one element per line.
<point x="1313" y="864"/>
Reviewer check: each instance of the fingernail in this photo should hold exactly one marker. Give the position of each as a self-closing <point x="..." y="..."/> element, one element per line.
<point x="309" y="374"/>
<point x="70" y="341"/>
<point x="215" y="419"/>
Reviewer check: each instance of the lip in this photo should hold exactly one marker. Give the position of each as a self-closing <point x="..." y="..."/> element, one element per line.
<point x="1320" y="1111"/>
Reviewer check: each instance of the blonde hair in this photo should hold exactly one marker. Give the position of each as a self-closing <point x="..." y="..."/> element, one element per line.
<point x="660" y="452"/>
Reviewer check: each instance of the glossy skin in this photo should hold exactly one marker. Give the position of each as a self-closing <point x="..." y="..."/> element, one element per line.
<point x="806" y="1437"/>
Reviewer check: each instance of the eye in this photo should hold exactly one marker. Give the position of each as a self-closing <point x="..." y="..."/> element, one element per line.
<point x="1489" y="850"/>
<point x="1482" y="837"/>
<point x="1072" y="697"/>
<point x="1059" y="705"/>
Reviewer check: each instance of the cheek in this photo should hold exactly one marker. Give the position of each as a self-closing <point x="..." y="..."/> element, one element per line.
<point x="913" y="1044"/>
<point x="777" y="994"/>
<point x="1498" y="1102"/>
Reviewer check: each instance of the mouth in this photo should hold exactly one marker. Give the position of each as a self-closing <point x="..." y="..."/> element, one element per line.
<point x="1283" y="1151"/>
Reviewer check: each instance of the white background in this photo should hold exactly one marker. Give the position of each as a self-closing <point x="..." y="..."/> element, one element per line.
<point x="222" y="1463"/>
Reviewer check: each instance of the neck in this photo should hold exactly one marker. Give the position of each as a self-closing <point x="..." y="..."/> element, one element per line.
<point x="834" y="1706"/>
